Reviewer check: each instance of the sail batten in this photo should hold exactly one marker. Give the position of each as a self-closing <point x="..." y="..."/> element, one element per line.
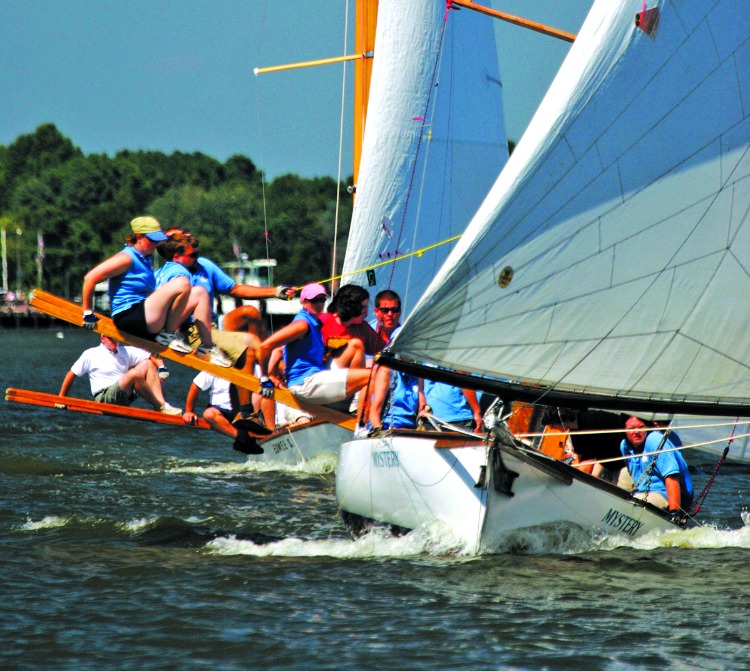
<point x="623" y="218"/>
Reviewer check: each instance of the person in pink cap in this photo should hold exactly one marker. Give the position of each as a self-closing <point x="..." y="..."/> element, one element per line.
<point x="306" y="374"/>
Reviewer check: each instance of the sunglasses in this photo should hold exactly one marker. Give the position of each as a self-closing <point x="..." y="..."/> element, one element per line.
<point x="318" y="299"/>
<point x="193" y="255"/>
<point x="389" y="310"/>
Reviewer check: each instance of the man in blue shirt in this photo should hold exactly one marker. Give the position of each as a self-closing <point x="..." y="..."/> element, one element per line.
<point x="453" y="405"/>
<point x="660" y="475"/>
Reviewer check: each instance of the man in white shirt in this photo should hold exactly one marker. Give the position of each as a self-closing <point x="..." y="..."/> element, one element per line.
<point x="117" y="374"/>
<point x="219" y="413"/>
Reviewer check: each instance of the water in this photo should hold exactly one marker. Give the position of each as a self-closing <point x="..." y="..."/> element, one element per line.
<point x="128" y="545"/>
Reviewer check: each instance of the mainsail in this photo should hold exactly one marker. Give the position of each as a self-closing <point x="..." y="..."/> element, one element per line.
<point x="434" y="142"/>
<point x="612" y="255"/>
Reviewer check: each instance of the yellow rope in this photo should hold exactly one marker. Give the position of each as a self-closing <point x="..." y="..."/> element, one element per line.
<point x="417" y="253"/>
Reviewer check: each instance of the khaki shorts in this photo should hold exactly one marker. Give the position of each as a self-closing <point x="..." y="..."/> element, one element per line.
<point x="114" y="395"/>
<point x="232" y="342"/>
<point x="326" y="386"/>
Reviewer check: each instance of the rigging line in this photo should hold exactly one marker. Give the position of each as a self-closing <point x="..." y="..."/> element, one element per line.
<point x="692" y="446"/>
<point x="675" y="427"/>
<point x="400" y="257"/>
<point x="291" y="435"/>
<point x="263" y="188"/>
<point x="421" y="135"/>
<point x="341" y="143"/>
<point x="417" y="217"/>
<point x="260" y="145"/>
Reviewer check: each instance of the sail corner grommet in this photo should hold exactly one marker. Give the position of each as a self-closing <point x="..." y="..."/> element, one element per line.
<point x="647" y="20"/>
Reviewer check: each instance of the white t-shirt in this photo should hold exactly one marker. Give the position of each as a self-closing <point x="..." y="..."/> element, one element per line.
<point x="104" y="367"/>
<point x="217" y="388"/>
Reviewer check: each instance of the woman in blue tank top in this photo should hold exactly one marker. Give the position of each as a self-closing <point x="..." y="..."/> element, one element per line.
<point x="137" y="306"/>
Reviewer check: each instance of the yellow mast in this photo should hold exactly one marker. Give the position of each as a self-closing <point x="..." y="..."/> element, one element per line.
<point x="364" y="40"/>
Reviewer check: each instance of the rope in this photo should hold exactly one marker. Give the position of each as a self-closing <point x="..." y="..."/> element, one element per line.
<point x="698" y="501"/>
<point x="341" y="144"/>
<point x="400" y="257"/>
<point x="421" y="135"/>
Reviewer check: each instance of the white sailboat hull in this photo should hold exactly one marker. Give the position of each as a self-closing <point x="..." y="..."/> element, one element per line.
<point x="410" y="481"/>
<point x="301" y="443"/>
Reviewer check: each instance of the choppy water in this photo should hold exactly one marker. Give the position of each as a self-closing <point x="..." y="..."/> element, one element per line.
<point x="126" y="545"/>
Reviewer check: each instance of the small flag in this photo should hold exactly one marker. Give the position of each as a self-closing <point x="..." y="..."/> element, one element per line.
<point x="40" y="245"/>
<point x="236" y="249"/>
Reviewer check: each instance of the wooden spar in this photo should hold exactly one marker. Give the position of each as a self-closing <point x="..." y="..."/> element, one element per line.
<point x="44" y="400"/>
<point x="71" y="312"/>
<point x="364" y="41"/>
<point x="516" y="20"/>
<point x="309" y="64"/>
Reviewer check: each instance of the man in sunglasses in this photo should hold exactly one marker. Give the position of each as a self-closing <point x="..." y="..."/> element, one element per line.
<point x="388" y="312"/>
<point x="396" y="397"/>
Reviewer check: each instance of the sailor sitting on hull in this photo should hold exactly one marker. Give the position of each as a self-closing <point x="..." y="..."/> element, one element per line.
<point x="660" y="474"/>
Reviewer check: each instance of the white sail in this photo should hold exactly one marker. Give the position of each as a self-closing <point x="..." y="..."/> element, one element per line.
<point x="624" y="216"/>
<point x="433" y="145"/>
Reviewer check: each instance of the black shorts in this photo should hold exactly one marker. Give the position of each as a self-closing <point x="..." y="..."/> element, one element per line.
<point x="228" y="414"/>
<point x="133" y="320"/>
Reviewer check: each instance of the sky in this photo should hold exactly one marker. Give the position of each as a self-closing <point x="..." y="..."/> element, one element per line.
<point x="177" y="75"/>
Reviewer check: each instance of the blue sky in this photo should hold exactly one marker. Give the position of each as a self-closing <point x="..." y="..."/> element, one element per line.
<point x="178" y="75"/>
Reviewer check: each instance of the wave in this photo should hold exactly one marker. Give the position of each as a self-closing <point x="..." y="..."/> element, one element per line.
<point x="435" y="539"/>
<point x="322" y="464"/>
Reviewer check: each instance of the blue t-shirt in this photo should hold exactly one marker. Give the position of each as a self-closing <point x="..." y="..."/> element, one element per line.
<point x="304" y="357"/>
<point x="135" y="285"/>
<point x="213" y="279"/>
<point x="447" y="402"/>
<point x="403" y="402"/>
<point x="667" y="463"/>
<point x="169" y="271"/>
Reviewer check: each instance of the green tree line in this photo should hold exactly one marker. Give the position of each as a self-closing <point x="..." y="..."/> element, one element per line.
<point x="81" y="206"/>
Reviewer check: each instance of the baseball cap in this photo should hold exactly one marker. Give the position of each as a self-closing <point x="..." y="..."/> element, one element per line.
<point x="148" y="226"/>
<point x="310" y="291"/>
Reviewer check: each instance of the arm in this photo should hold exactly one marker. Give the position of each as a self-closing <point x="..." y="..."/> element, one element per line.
<point x="274" y="374"/>
<point x="380" y="389"/>
<point x="67" y="383"/>
<point x="471" y="399"/>
<point x="294" y="331"/>
<point x="248" y="291"/>
<point x="113" y="266"/>
<point x="189" y="416"/>
<point x="672" y="484"/>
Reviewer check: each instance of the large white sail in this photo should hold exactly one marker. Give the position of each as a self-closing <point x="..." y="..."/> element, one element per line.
<point x="433" y="145"/>
<point x="623" y="216"/>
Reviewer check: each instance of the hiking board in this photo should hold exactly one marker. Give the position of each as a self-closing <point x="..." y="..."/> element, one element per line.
<point x="44" y="400"/>
<point x="68" y="311"/>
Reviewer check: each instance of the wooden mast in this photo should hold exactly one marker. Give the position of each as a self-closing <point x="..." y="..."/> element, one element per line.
<point x="364" y="39"/>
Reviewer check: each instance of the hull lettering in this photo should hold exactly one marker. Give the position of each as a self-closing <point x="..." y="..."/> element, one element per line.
<point x="385" y="459"/>
<point x="623" y="523"/>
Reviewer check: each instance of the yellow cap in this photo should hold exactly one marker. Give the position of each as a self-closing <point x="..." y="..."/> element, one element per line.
<point x="148" y="226"/>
